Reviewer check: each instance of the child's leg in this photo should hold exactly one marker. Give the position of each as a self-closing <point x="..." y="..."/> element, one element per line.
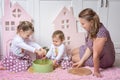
<point x="76" y="58"/>
<point x="66" y="64"/>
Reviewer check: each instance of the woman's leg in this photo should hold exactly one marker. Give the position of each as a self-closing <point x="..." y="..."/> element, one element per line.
<point x="75" y="55"/>
<point x="86" y="55"/>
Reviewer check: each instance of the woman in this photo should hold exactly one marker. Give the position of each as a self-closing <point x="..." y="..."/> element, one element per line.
<point x="98" y="50"/>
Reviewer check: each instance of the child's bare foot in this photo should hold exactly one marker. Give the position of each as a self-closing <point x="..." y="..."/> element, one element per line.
<point x="2" y="68"/>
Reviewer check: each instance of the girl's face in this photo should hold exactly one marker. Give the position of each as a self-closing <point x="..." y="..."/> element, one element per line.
<point x="57" y="41"/>
<point x="85" y="24"/>
<point x="25" y="34"/>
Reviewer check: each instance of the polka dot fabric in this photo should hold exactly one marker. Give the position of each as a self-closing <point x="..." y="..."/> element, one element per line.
<point x="15" y="63"/>
<point x="66" y="64"/>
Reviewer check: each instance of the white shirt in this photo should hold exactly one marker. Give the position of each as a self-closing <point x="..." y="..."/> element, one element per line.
<point x="19" y="43"/>
<point x="61" y="52"/>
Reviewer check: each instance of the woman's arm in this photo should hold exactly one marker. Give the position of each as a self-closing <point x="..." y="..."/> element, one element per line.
<point x="98" y="45"/>
<point x="86" y="55"/>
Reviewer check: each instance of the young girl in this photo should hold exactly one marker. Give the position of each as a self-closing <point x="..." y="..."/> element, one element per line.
<point x="19" y="59"/>
<point x="98" y="50"/>
<point x="57" y="50"/>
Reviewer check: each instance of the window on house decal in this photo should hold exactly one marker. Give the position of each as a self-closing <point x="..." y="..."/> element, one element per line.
<point x="19" y="15"/>
<point x="68" y="38"/>
<point x="62" y="22"/>
<point x="18" y="10"/>
<point x="7" y="23"/>
<point x="10" y="44"/>
<point x="67" y="26"/>
<point x="12" y="23"/>
<point x="65" y="23"/>
<point x="64" y="13"/>
<point x="68" y="43"/>
<point x="6" y="28"/>
<point x="16" y="13"/>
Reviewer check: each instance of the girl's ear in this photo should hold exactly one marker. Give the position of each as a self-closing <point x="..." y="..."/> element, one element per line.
<point x="92" y="21"/>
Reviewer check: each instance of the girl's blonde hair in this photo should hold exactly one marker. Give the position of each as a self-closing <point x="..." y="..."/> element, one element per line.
<point x="60" y="34"/>
<point x="91" y="15"/>
<point x="25" y="26"/>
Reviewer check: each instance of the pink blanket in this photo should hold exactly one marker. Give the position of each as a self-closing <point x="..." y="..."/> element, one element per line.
<point x="59" y="74"/>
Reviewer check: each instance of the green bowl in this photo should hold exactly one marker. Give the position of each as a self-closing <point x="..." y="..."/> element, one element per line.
<point x="42" y="66"/>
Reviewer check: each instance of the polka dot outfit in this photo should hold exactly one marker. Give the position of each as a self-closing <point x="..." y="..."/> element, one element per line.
<point x="66" y="64"/>
<point x="15" y="63"/>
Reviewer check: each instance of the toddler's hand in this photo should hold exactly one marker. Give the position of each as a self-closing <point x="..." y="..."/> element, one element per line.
<point x="44" y="57"/>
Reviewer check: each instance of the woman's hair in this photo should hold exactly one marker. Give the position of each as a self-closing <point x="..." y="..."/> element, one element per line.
<point x="91" y="15"/>
<point x="60" y="34"/>
<point x="25" y="26"/>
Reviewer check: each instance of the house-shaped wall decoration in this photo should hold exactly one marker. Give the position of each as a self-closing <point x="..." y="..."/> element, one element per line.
<point x="66" y="22"/>
<point x="13" y="15"/>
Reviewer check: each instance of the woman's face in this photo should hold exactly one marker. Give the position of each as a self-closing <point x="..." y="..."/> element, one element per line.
<point x="25" y="34"/>
<point x="85" y="24"/>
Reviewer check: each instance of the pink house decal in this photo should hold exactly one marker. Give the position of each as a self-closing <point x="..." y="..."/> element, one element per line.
<point x="66" y="22"/>
<point x="13" y="15"/>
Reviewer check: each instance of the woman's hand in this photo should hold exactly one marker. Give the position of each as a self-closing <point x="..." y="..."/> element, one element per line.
<point x="77" y="64"/>
<point x="97" y="74"/>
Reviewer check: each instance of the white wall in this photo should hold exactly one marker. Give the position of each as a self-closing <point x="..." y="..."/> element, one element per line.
<point x="1" y="13"/>
<point x="43" y="13"/>
<point x="48" y="12"/>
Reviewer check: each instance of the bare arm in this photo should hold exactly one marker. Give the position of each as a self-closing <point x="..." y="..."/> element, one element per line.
<point x="98" y="45"/>
<point x="84" y="58"/>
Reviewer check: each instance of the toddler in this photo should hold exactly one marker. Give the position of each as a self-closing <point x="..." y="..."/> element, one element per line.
<point x="57" y="50"/>
<point x="19" y="58"/>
